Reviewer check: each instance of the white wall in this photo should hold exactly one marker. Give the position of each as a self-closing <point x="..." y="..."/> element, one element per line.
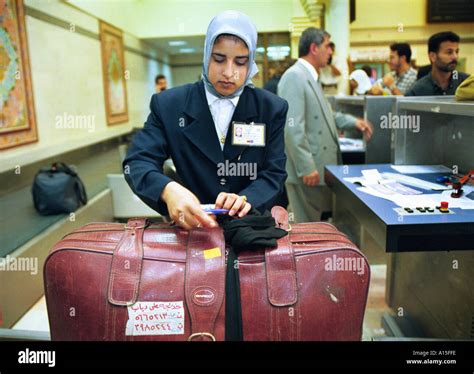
<point x="186" y="17"/>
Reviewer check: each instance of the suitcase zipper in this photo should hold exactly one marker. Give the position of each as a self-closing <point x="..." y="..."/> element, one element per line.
<point x="259" y="258"/>
<point x="316" y="232"/>
<point x="110" y="253"/>
<point x="105" y="230"/>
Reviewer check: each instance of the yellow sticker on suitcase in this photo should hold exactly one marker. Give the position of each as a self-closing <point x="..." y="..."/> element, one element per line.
<point x="212" y="253"/>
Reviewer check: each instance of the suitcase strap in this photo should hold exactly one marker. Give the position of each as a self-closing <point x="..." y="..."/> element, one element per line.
<point x="282" y="287"/>
<point x="280" y="266"/>
<point x="126" y="266"/>
<point x="204" y="281"/>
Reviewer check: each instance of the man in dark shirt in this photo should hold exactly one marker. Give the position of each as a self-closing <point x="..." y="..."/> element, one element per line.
<point x="443" y="52"/>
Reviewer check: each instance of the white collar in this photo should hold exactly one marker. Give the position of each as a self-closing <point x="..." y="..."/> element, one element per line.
<point x="211" y="99"/>
<point x="310" y="68"/>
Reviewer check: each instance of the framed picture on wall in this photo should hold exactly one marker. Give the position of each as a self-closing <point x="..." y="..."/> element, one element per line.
<point x="17" y="110"/>
<point x="113" y="71"/>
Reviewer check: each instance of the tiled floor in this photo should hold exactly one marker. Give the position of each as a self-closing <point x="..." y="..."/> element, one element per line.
<point x="37" y="318"/>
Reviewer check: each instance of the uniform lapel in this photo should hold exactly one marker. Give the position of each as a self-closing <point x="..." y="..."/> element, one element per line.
<point x="201" y="130"/>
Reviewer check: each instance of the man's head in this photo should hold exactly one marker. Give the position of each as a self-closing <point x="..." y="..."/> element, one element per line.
<point x="229" y="64"/>
<point x="315" y="47"/>
<point x="160" y="83"/>
<point x="443" y="51"/>
<point x="368" y="70"/>
<point x="400" y="57"/>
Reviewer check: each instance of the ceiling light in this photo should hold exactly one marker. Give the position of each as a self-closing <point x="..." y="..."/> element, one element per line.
<point x="177" y="43"/>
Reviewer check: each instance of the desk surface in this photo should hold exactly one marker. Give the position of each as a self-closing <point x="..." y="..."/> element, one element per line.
<point x="452" y="230"/>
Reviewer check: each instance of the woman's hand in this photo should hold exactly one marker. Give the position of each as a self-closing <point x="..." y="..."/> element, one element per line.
<point x="184" y="207"/>
<point x="234" y="203"/>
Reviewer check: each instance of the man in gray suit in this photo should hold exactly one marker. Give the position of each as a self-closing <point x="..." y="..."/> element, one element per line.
<point x="311" y="131"/>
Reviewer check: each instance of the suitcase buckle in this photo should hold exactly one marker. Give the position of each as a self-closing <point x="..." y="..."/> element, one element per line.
<point x="201" y="334"/>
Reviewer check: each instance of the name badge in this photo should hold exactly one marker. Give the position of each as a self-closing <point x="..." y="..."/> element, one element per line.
<point x="251" y="135"/>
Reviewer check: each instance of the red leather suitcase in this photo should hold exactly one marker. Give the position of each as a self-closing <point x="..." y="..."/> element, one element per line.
<point x="313" y="286"/>
<point x="110" y="281"/>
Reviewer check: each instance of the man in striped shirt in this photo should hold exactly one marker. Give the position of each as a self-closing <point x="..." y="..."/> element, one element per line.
<point x="402" y="76"/>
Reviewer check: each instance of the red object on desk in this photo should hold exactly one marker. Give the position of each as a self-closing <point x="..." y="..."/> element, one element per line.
<point x="457" y="186"/>
<point x="444" y="205"/>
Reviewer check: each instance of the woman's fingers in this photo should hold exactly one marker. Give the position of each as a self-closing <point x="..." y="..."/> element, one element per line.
<point x="220" y="200"/>
<point x="245" y="210"/>
<point x="232" y="202"/>
<point x="193" y="217"/>
<point x="229" y="200"/>
<point x="201" y="218"/>
<point x="180" y="220"/>
<point x="192" y="220"/>
<point x="238" y="204"/>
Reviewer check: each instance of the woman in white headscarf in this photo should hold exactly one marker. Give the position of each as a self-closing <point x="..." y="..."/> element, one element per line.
<point x="195" y="125"/>
<point x="359" y="82"/>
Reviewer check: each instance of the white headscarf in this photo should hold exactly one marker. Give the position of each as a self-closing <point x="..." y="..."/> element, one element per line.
<point x="363" y="81"/>
<point x="233" y="23"/>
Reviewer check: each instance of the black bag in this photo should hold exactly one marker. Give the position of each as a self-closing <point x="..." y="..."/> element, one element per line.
<point x="58" y="189"/>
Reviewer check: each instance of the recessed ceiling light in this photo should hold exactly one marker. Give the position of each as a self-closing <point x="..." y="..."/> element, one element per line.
<point x="279" y="48"/>
<point x="177" y="43"/>
<point x="187" y="50"/>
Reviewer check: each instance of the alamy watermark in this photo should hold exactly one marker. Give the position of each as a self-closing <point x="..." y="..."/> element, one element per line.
<point x="10" y="263"/>
<point x="400" y="121"/>
<point x="237" y="169"/>
<point x="28" y="356"/>
<point x="72" y="121"/>
<point x="335" y="263"/>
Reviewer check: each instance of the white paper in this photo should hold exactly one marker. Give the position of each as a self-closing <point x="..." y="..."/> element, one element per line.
<point x="391" y="188"/>
<point x="375" y="193"/>
<point x="420" y="169"/>
<point x="155" y="318"/>
<point x="348" y="144"/>
<point x="374" y="180"/>
<point x="415" y="182"/>
<point x="372" y="176"/>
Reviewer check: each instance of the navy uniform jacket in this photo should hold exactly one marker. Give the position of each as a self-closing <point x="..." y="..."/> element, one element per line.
<point x="180" y="126"/>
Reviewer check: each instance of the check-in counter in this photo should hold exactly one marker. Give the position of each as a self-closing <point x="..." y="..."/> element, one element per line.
<point x="429" y="257"/>
<point x="373" y="109"/>
<point x="433" y="130"/>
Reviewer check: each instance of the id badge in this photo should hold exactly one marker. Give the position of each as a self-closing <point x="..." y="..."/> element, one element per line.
<point x="250" y="135"/>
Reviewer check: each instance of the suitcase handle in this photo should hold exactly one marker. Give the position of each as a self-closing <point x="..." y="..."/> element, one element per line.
<point x="281" y="217"/>
<point x="124" y="281"/>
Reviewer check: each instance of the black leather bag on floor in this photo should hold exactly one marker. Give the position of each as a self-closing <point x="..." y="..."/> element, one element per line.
<point x="58" y="189"/>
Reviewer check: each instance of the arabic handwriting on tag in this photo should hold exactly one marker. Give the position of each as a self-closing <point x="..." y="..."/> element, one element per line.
<point x="155" y="318"/>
